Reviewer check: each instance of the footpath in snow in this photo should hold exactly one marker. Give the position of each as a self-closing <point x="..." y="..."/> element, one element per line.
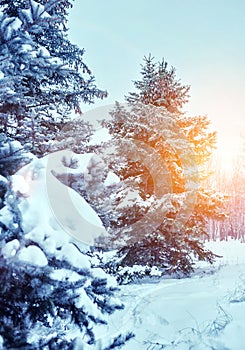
<point x="206" y="311"/>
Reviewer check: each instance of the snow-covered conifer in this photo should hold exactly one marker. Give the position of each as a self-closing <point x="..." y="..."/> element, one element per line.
<point x="51" y="298"/>
<point x="159" y="86"/>
<point x="160" y="155"/>
<point x="43" y="76"/>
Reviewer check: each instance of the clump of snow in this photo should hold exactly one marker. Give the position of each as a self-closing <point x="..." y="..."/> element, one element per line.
<point x="43" y="52"/>
<point x="20" y="185"/>
<point x="59" y="211"/>
<point x="49" y="245"/>
<point x="25" y="48"/>
<point x="33" y="255"/>
<point x="64" y="274"/>
<point x="70" y="253"/>
<point x="10" y="25"/>
<point x="99" y="273"/>
<point x="6" y="216"/>
<point x="155" y="272"/>
<point x="9" y="250"/>
<point x="111" y="179"/>
<point x="84" y="301"/>
<point x="36" y="235"/>
<point x="36" y="10"/>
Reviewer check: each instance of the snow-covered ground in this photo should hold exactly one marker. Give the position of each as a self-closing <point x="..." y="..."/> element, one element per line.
<point x="206" y="311"/>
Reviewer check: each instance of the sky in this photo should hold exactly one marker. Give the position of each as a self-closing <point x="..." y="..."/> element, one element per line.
<point x="203" y="39"/>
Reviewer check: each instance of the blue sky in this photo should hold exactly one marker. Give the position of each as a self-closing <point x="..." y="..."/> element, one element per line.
<point x="203" y="39"/>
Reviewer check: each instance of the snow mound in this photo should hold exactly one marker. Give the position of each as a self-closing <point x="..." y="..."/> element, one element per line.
<point x="33" y="255"/>
<point x="10" y="248"/>
<point x="71" y="254"/>
<point x="58" y="211"/>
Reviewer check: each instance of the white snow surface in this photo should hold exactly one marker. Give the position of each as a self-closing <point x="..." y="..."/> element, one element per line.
<point x="52" y="210"/>
<point x="10" y="248"/>
<point x="56" y="219"/>
<point x="70" y="253"/>
<point x="33" y="255"/>
<point x="206" y="311"/>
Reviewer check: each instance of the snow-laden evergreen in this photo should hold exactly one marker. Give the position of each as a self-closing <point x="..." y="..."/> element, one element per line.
<point x="162" y="208"/>
<point x="52" y="298"/>
<point x="43" y="76"/>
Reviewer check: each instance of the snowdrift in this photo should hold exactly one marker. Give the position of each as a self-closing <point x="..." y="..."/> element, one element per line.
<point x="54" y="207"/>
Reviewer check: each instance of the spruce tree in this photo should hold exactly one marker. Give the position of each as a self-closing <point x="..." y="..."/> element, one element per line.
<point x="47" y="301"/>
<point x="159" y="86"/>
<point x="169" y="188"/>
<point x="42" y="74"/>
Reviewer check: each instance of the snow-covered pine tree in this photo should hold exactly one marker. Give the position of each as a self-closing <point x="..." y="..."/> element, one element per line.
<point x="48" y="300"/>
<point x="159" y="86"/>
<point x="43" y="76"/>
<point x="154" y="118"/>
<point x="53" y="306"/>
<point x="75" y="136"/>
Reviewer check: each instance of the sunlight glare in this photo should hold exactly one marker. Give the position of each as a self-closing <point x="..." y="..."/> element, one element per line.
<point x="229" y="151"/>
